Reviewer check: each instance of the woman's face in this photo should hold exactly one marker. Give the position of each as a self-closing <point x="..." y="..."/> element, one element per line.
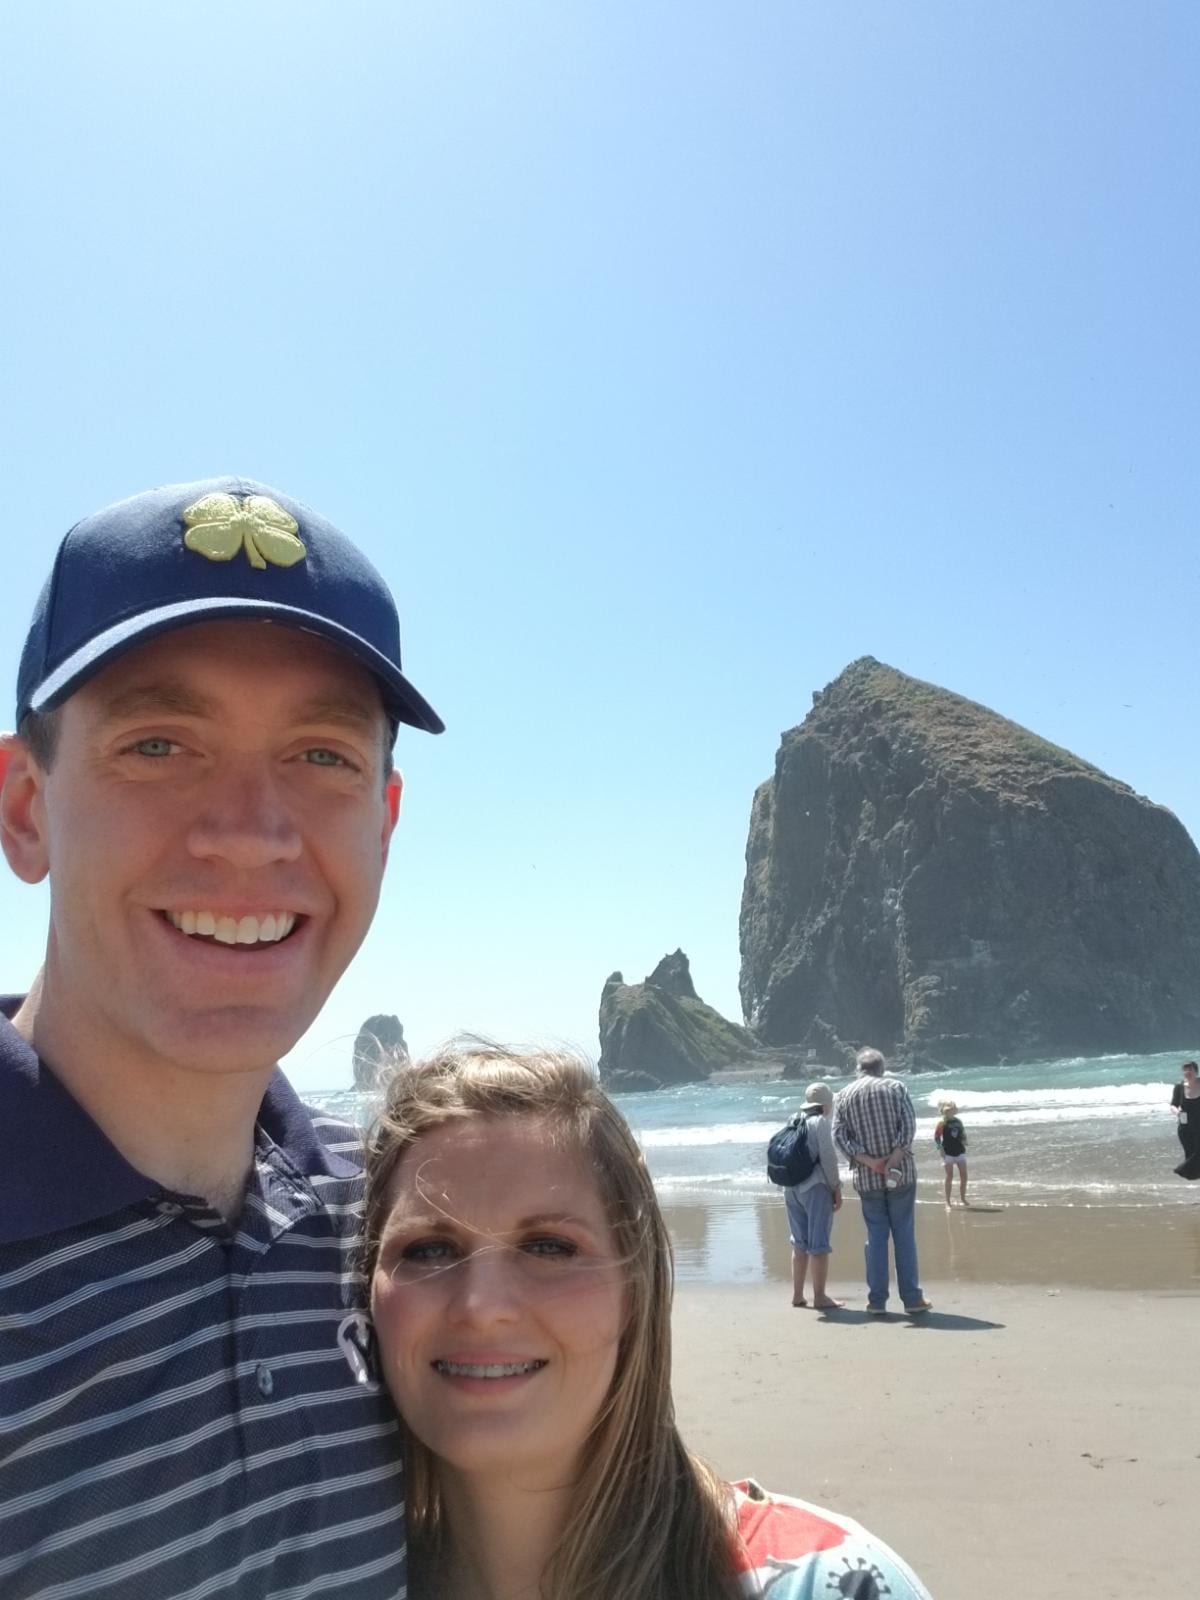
<point x="497" y="1298"/>
<point x="1189" y="1076"/>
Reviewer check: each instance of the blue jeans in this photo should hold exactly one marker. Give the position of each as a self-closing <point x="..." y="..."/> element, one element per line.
<point x="889" y="1212"/>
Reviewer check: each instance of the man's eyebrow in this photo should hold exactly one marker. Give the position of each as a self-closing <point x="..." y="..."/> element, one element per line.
<point x="156" y="699"/>
<point x="171" y="698"/>
<point x="349" y="711"/>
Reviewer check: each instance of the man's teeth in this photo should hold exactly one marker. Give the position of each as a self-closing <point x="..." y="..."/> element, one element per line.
<point x="492" y="1369"/>
<point x="270" y="929"/>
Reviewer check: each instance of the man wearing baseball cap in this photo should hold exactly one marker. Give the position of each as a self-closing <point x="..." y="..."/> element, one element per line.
<point x="206" y="707"/>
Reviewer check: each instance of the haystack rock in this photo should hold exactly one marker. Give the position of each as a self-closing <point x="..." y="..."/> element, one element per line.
<point x="923" y="875"/>
<point x="378" y="1048"/>
<point x="660" y="1032"/>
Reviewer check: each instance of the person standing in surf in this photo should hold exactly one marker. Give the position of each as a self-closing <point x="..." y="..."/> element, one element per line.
<point x="951" y="1139"/>
<point x="1185" y="1102"/>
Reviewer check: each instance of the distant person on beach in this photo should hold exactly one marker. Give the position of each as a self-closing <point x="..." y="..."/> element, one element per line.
<point x="874" y="1124"/>
<point x="811" y="1204"/>
<point x="520" y="1279"/>
<point x="951" y="1139"/>
<point x="1185" y="1102"/>
<point x="207" y="704"/>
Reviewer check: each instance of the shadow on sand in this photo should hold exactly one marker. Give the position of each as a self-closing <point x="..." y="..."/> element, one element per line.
<point x="943" y="1321"/>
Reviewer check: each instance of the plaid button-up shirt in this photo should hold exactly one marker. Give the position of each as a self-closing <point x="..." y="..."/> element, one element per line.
<point x="872" y="1117"/>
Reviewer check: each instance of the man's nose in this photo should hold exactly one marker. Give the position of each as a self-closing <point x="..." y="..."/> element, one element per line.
<point x="245" y="820"/>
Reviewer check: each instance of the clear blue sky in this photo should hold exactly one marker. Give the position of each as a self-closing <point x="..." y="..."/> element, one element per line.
<point x="666" y="357"/>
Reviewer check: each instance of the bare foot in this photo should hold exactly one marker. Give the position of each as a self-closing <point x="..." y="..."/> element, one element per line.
<point x="800" y="1302"/>
<point x="828" y="1303"/>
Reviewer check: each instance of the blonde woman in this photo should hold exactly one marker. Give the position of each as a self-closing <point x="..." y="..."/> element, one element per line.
<point x="520" y="1288"/>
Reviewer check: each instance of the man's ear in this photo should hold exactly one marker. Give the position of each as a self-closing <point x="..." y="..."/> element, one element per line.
<point x="391" y="808"/>
<point x="22" y="813"/>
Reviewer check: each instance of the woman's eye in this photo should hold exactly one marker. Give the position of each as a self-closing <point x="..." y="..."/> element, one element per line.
<point x="550" y="1249"/>
<point x="427" y="1250"/>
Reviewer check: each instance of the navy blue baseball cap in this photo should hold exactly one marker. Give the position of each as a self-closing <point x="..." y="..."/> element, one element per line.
<point x="202" y="552"/>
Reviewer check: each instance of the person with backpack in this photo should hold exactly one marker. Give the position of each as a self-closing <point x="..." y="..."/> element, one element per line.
<point x="951" y="1139"/>
<point x="801" y="1157"/>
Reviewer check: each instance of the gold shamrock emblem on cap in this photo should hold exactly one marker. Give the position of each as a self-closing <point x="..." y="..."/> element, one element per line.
<point x="220" y="525"/>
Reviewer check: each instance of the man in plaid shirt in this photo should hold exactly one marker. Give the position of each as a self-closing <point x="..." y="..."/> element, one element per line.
<point x="874" y="1124"/>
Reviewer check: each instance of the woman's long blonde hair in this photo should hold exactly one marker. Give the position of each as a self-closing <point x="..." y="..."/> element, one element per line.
<point x="649" y="1520"/>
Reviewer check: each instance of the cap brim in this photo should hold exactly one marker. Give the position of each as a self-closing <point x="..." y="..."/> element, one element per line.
<point x="401" y="700"/>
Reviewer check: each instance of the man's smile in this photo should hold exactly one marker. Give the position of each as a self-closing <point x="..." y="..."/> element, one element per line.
<point x="243" y="947"/>
<point x="265" y="928"/>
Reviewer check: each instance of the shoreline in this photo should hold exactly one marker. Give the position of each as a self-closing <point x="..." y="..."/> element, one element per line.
<point x="1016" y="1440"/>
<point x="744" y="1240"/>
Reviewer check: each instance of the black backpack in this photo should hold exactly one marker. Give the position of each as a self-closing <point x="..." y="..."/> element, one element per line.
<point x="789" y="1160"/>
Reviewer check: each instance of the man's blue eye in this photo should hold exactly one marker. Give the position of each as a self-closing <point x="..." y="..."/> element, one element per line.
<point x="320" y="757"/>
<point x="153" y="747"/>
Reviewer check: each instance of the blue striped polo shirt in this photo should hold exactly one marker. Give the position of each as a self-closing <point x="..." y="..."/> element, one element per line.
<point x="180" y="1415"/>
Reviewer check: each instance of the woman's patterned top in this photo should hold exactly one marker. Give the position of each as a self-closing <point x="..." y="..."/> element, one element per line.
<point x="789" y="1550"/>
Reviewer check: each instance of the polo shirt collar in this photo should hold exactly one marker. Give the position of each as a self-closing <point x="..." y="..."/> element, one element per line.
<point x="58" y="1170"/>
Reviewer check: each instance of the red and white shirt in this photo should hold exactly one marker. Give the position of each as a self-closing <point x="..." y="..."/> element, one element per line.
<point x="789" y="1550"/>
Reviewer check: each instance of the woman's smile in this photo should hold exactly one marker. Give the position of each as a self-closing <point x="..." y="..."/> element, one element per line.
<point x="494" y="1375"/>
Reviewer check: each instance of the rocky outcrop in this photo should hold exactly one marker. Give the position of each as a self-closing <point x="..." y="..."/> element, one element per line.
<point x="378" y="1048"/>
<point x="925" y="876"/>
<point x="673" y="975"/>
<point x="660" y="1032"/>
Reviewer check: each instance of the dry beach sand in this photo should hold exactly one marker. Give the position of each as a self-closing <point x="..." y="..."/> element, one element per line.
<point x="1037" y="1434"/>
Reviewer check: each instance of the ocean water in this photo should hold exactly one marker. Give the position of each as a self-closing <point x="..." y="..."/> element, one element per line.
<point x="1080" y="1133"/>
<point x="1093" y="1140"/>
<point x="1096" y="1132"/>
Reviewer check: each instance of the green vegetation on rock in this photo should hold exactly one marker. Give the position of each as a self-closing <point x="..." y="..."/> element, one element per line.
<point x="660" y="1032"/>
<point x="949" y="734"/>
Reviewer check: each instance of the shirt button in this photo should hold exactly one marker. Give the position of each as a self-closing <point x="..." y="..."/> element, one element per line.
<point x="266" y="1383"/>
